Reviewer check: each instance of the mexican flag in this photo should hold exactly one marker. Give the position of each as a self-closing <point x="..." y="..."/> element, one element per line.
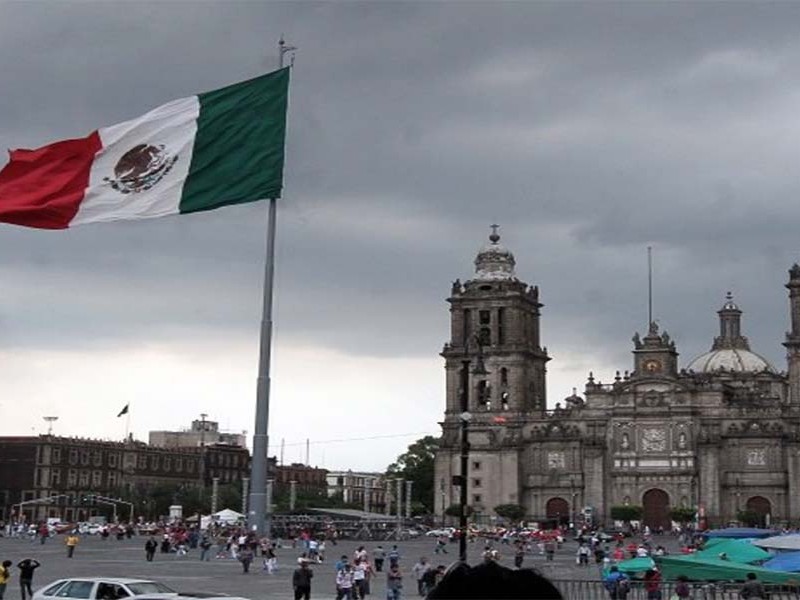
<point x="199" y="153"/>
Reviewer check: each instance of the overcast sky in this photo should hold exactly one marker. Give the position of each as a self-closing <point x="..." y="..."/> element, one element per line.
<point x="587" y="131"/>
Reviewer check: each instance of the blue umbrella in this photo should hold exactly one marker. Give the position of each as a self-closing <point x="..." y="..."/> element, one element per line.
<point x="739" y="532"/>
<point x="786" y="561"/>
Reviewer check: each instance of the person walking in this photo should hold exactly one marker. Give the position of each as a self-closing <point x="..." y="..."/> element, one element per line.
<point x="394" y="583"/>
<point x="245" y="557"/>
<point x="271" y="561"/>
<point x="519" y="555"/>
<point x="5" y="575"/>
<point x="419" y="570"/>
<point x="652" y="584"/>
<point x="26" y="568"/>
<point x="205" y="547"/>
<point x="359" y="579"/>
<point x="380" y="556"/>
<point x="752" y="588"/>
<point x="150" y="547"/>
<point x="71" y="541"/>
<point x="394" y="556"/>
<point x="617" y="584"/>
<point x="682" y="589"/>
<point x="344" y="583"/>
<point x="301" y="581"/>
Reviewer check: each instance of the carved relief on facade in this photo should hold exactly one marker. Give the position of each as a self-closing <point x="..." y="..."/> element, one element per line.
<point x="654" y="439"/>
<point x="556" y="460"/>
<point x="756" y="457"/>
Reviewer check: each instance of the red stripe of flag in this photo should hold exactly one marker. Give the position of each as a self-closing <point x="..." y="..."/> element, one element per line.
<point x="44" y="187"/>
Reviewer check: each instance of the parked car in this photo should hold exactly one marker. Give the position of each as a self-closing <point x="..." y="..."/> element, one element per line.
<point x="186" y="596"/>
<point x="447" y="531"/>
<point x="100" y="588"/>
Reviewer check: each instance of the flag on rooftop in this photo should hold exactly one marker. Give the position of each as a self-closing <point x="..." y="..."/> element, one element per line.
<point x="193" y="154"/>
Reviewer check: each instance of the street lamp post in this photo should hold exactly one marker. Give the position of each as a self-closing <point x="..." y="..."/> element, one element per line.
<point x="442" y="492"/>
<point x="464" y="417"/>
<point x="574" y="513"/>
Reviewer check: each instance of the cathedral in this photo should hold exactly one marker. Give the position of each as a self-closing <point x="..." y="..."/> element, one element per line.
<point x="720" y="434"/>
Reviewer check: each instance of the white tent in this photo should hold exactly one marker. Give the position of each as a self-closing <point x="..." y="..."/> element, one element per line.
<point x="227" y="516"/>
<point x="780" y="542"/>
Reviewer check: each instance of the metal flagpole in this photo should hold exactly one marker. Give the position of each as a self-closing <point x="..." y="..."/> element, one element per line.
<point x="259" y="517"/>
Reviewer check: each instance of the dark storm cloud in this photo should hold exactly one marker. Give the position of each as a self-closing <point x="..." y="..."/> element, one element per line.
<point x="587" y="130"/>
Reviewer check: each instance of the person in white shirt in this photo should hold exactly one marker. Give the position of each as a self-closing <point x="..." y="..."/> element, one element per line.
<point x="344" y="583"/>
<point x="419" y="571"/>
<point x="359" y="579"/>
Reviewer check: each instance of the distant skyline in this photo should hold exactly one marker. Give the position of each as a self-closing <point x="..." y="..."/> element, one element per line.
<point x="587" y="131"/>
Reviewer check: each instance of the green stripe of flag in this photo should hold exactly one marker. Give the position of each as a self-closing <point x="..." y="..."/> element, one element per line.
<point x="239" y="146"/>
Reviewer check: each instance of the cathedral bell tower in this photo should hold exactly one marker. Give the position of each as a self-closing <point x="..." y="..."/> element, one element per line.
<point x="655" y="354"/>
<point x="792" y="342"/>
<point x="494" y="321"/>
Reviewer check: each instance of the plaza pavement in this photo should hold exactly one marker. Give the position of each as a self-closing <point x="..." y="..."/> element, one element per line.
<point x="97" y="557"/>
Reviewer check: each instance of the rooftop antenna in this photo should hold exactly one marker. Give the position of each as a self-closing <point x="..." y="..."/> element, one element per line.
<point x="50" y="421"/>
<point x="649" y="285"/>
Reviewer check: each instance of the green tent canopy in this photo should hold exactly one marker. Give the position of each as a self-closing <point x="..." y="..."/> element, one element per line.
<point x="636" y="565"/>
<point x="738" y="551"/>
<point x="697" y="568"/>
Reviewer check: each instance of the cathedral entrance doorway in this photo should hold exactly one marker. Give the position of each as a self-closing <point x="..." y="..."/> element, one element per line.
<point x="760" y="507"/>
<point x="656" y="509"/>
<point x="558" y="509"/>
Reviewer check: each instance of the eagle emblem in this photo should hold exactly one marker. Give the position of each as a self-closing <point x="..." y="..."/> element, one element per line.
<point x="140" y="168"/>
<point x="654" y="440"/>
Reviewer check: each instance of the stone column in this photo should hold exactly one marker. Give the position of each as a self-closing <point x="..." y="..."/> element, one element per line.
<point x="408" y="498"/>
<point x="594" y="488"/>
<point x="709" y="480"/>
<point x="793" y="472"/>
<point x="399" y="500"/>
<point x="214" y="494"/>
<point x="245" y="493"/>
<point x="292" y="494"/>
<point x="388" y="503"/>
<point x="367" y="492"/>
<point x="270" y="483"/>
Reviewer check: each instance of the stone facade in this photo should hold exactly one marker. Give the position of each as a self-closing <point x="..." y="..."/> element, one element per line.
<point x="69" y="467"/>
<point x="201" y="433"/>
<point x="721" y="435"/>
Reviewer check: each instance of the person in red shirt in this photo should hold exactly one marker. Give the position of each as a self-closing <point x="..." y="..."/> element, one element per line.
<point x="632" y="549"/>
<point x="652" y="584"/>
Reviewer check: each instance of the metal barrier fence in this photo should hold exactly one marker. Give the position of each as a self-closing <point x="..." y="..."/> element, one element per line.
<point x="595" y="590"/>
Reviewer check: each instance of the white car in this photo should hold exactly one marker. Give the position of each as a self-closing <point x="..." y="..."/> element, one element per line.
<point x="203" y="596"/>
<point x="447" y="531"/>
<point x="101" y="588"/>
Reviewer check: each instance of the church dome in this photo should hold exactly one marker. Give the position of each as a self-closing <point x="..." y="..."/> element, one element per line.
<point x="730" y="359"/>
<point x="731" y="350"/>
<point x="494" y="261"/>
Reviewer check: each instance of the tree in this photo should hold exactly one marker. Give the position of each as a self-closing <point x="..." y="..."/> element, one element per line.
<point x="626" y="513"/>
<point x="454" y="510"/>
<point x="682" y="514"/>
<point x="750" y="518"/>
<point x="512" y="512"/>
<point x="417" y="465"/>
